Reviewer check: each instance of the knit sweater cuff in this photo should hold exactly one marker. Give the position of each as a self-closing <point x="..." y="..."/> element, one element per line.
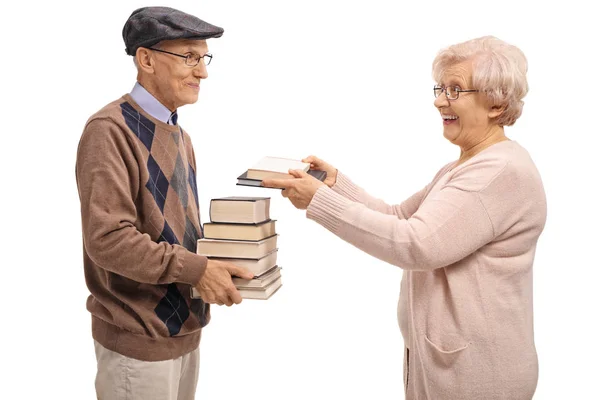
<point x="344" y="186"/>
<point x="326" y="208"/>
<point x="194" y="266"/>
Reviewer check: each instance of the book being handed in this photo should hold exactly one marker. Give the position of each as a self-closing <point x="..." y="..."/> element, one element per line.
<point x="301" y="190"/>
<point x="276" y="168"/>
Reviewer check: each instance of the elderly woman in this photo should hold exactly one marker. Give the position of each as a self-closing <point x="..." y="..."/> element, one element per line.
<point x="466" y="241"/>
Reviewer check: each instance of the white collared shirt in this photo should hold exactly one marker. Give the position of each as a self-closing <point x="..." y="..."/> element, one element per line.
<point x="151" y="105"/>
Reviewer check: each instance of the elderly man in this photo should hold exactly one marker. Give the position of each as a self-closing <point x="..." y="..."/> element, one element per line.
<point x="136" y="176"/>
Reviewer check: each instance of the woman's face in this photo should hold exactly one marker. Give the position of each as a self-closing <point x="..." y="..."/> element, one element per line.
<point x="467" y="119"/>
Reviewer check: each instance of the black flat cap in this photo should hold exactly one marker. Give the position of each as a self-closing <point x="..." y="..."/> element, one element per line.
<point x="149" y="25"/>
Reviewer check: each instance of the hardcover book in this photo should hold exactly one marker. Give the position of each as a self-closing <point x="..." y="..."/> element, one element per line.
<point x="236" y="248"/>
<point x="275" y="167"/>
<point x="239" y="209"/>
<point x="243" y="179"/>
<point x="236" y="231"/>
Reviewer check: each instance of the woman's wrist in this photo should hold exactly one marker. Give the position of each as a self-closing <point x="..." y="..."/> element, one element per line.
<point x="335" y="175"/>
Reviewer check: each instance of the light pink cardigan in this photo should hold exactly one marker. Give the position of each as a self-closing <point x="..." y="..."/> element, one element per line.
<point x="466" y="243"/>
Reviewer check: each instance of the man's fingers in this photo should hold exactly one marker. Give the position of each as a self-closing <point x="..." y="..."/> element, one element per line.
<point x="240" y="272"/>
<point x="208" y="295"/>
<point x="227" y="295"/>
<point x="219" y="289"/>
<point x="228" y="302"/>
<point x="214" y="298"/>
<point x="234" y="295"/>
<point x="222" y="296"/>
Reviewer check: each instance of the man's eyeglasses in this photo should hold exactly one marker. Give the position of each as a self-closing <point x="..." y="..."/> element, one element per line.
<point x="451" y="92"/>
<point x="191" y="59"/>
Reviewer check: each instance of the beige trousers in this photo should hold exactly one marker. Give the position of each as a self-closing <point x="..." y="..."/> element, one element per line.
<point x="123" y="378"/>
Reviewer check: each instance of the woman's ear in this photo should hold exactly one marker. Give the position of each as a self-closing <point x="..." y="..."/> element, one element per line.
<point x="496" y="111"/>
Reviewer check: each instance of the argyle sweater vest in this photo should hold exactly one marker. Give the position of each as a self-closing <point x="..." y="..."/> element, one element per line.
<point x="136" y="178"/>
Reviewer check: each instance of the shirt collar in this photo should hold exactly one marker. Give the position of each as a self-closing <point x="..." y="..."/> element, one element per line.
<point x="150" y="104"/>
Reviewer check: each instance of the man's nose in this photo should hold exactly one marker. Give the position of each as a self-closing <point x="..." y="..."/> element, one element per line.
<point x="200" y="70"/>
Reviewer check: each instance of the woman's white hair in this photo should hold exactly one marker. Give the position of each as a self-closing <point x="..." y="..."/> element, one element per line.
<point x="499" y="70"/>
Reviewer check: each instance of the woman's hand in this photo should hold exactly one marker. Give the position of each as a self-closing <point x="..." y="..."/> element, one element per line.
<point x="299" y="190"/>
<point x="318" y="164"/>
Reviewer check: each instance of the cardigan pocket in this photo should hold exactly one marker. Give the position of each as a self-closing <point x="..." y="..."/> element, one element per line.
<point x="442" y="357"/>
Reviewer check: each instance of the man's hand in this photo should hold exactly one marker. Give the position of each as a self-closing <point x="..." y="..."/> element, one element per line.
<point x="299" y="190"/>
<point x="320" y="165"/>
<point x="216" y="285"/>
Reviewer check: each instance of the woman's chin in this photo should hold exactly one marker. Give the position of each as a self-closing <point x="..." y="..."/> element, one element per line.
<point x="451" y="136"/>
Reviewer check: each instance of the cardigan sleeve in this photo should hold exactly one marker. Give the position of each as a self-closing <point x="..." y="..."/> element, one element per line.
<point x="348" y="189"/>
<point x="451" y="224"/>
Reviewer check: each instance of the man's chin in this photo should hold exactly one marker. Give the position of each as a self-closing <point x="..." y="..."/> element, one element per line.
<point x="189" y="100"/>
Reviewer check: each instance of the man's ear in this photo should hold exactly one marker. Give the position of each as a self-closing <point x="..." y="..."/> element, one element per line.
<point x="144" y="60"/>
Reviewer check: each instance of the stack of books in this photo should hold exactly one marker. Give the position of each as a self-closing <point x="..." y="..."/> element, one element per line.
<point x="242" y="232"/>
<point x="275" y="167"/>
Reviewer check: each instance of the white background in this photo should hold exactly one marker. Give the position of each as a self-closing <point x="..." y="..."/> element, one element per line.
<point x="348" y="81"/>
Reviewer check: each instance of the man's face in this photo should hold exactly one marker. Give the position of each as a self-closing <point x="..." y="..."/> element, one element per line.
<point x="176" y="82"/>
